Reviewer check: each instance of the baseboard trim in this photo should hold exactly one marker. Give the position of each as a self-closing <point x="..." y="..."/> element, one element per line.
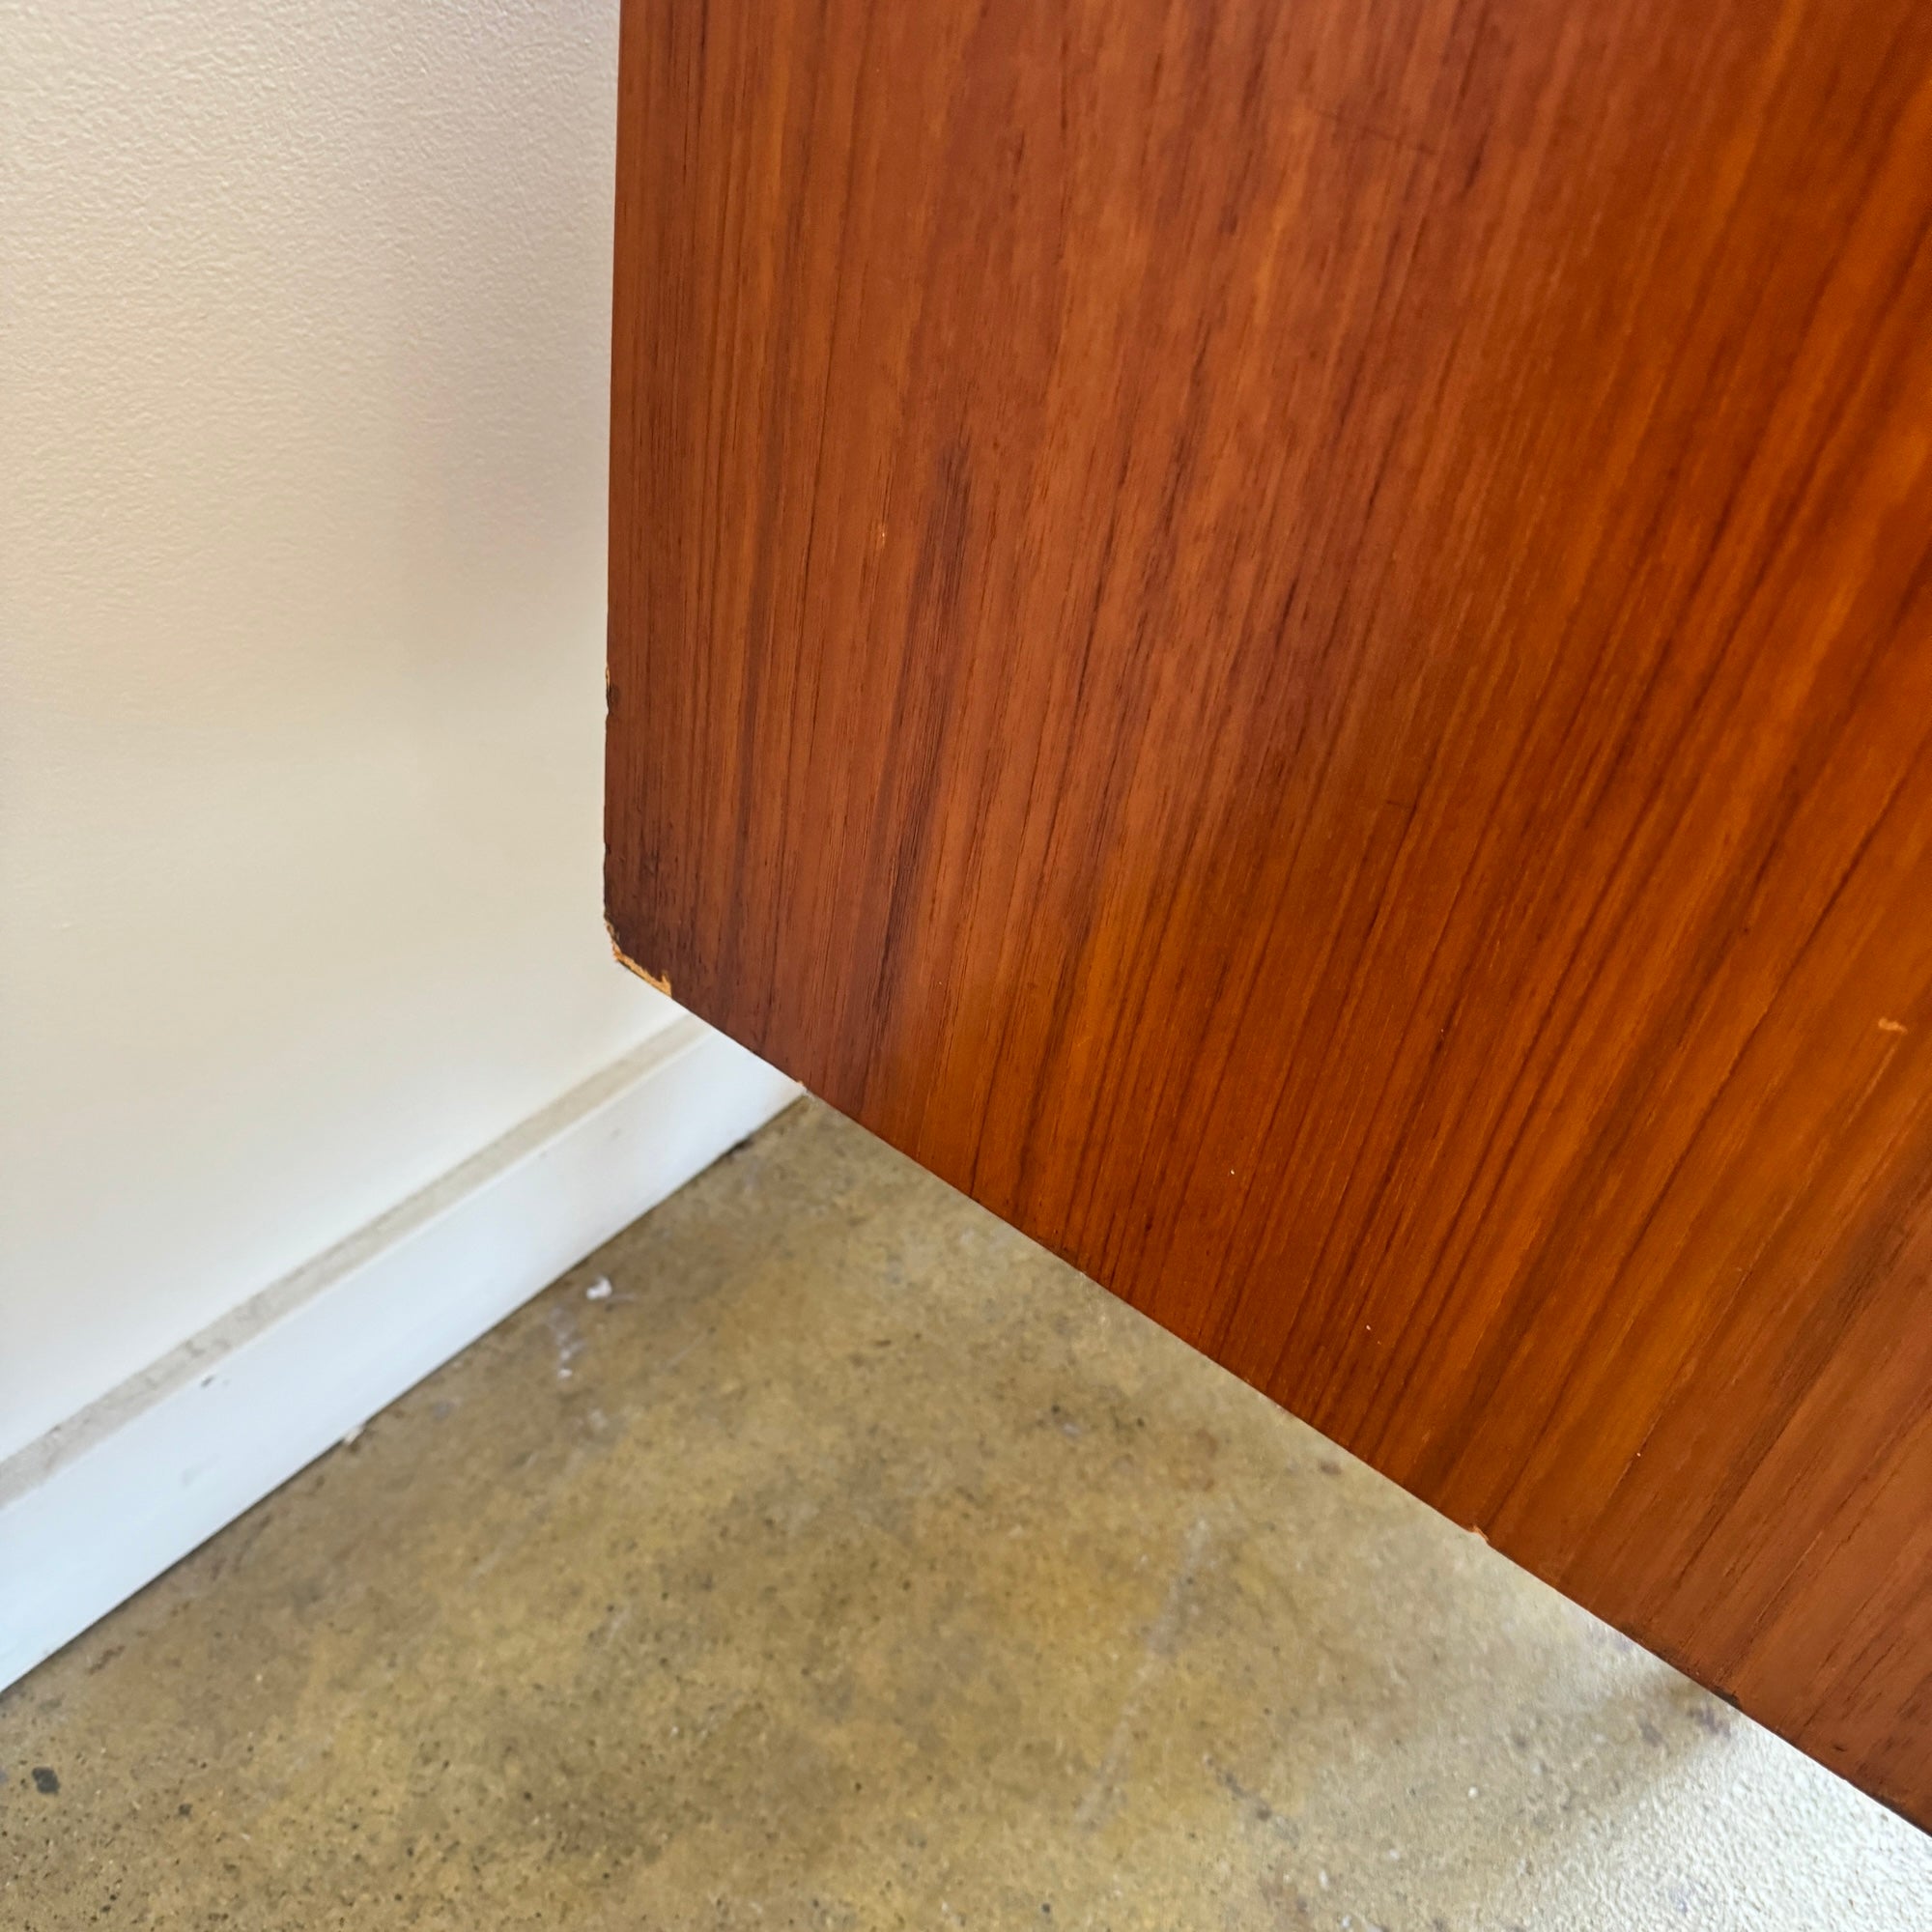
<point x="102" y="1505"/>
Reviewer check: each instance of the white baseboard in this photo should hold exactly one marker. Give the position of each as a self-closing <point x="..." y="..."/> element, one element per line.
<point x="108" y="1500"/>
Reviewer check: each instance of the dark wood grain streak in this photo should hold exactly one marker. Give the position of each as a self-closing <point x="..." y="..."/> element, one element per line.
<point x="1294" y="643"/>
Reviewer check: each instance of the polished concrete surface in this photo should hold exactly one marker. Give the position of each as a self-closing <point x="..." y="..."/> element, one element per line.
<point x="848" y="1562"/>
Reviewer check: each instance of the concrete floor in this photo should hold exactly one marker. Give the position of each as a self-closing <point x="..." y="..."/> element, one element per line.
<point x="852" y="1563"/>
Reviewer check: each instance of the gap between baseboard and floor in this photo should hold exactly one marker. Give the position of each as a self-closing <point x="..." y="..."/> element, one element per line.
<point x="110" y="1498"/>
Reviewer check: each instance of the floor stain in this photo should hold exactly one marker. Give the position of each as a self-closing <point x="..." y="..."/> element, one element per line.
<point x="852" y="1563"/>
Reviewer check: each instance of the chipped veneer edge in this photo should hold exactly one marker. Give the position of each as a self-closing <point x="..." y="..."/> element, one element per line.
<point x="661" y="981"/>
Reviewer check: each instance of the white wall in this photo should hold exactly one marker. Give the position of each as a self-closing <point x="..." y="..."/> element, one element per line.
<point x="304" y="332"/>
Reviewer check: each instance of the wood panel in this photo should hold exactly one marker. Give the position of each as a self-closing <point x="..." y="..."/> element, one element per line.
<point x="1294" y="643"/>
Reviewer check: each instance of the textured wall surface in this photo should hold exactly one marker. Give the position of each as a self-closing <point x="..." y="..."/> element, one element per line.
<point x="303" y="327"/>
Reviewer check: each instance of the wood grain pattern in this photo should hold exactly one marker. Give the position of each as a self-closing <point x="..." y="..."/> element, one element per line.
<point x="1294" y="643"/>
